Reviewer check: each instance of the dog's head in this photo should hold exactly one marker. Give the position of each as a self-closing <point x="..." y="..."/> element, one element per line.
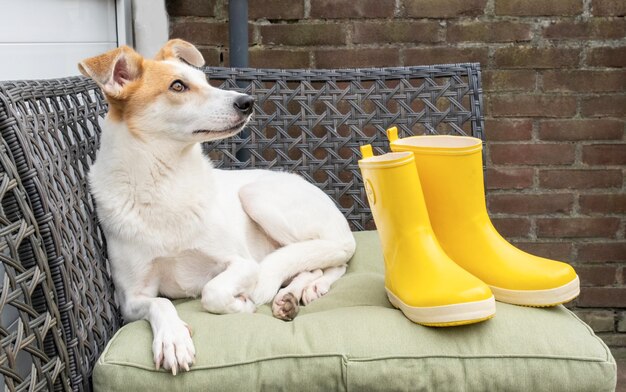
<point x="166" y="97"/>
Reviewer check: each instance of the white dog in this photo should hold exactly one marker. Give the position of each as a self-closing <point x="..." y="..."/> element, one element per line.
<point x="177" y="227"/>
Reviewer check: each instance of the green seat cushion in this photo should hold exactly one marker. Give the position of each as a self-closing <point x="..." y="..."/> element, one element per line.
<point x="353" y="339"/>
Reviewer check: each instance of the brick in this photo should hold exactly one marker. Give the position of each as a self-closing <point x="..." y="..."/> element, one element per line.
<point x="579" y="179"/>
<point x="539" y="7"/>
<point x="211" y="56"/>
<point x="605" y="105"/>
<point x="584" y="81"/>
<point x="577" y="227"/>
<point x="608" y="7"/>
<point x="277" y="58"/>
<point x="605" y="203"/>
<point x="445" y="55"/>
<point x="505" y="129"/>
<point x="191" y="7"/>
<point x="613" y="340"/>
<point x="488" y="32"/>
<point x="551" y="250"/>
<point x="356" y="9"/>
<point x="596" y="275"/>
<point x="444" y="8"/>
<point x="598" y="320"/>
<point x="356" y="58"/>
<point x="602" y="252"/>
<point x="528" y="57"/>
<point x="253" y="38"/>
<point x="201" y="33"/>
<point x="509" y="80"/>
<point x="604" y="154"/>
<point x="512" y="227"/>
<point x="596" y="28"/>
<point x="523" y="203"/>
<point x="587" y="129"/>
<point x="595" y="297"/>
<point x="303" y="34"/>
<point x="396" y="32"/>
<point x="503" y="178"/>
<point x="533" y="106"/>
<point x="607" y="57"/>
<point x="620" y="356"/>
<point x="621" y="322"/>
<point x="531" y="154"/>
<point x="275" y="9"/>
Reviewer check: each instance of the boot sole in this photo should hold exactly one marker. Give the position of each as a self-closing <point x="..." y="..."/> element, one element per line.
<point x="539" y="298"/>
<point x="446" y="315"/>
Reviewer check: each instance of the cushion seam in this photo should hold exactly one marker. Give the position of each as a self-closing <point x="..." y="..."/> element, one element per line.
<point x="102" y="358"/>
<point x="348" y="359"/>
<point x="607" y="352"/>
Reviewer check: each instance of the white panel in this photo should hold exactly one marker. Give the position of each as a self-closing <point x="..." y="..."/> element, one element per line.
<point x="41" y="61"/>
<point x="57" y="21"/>
<point x="150" y="26"/>
<point x="125" y="33"/>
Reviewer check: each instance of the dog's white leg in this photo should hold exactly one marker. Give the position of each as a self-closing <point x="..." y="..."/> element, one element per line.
<point x="304" y="221"/>
<point x="172" y="345"/>
<point x="229" y="292"/>
<point x="137" y="287"/>
<point x="321" y="285"/>
<point x="286" y="303"/>
<point x="288" y="261"/>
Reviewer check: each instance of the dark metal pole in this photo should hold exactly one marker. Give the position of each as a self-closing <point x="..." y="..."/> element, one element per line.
<point x="238" y="50"/>
<point x="238" y="33"/>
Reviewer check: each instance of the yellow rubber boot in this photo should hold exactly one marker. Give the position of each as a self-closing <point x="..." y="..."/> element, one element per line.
<point x="420" y="279"/>
<point x="451" y="175"/>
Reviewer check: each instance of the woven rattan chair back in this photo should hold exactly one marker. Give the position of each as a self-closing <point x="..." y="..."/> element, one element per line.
<point x="313" y="122"/>
<point x="56" y="299"/>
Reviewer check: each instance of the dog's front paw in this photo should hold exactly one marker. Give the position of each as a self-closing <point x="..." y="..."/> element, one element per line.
<point x="314" y="291"/>
<point x="220" y="302"/>
<point x="173" y="348"/>
<point x="285" y="306"/>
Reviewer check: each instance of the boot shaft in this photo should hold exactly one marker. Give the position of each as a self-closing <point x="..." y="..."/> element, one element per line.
<point x="451" y="173"/>
<point x="393" y="189"/>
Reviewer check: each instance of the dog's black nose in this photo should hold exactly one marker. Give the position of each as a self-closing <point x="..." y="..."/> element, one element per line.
<point x="244" y="104"/>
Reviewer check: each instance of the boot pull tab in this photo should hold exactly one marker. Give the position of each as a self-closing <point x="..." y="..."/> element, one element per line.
<point x="366" y="151"/>
<point x="392" y="134"/>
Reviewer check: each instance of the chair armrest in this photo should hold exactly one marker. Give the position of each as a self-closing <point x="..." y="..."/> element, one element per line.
<point x="55" y="255"/>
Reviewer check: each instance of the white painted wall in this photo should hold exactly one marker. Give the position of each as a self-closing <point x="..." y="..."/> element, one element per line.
<point x="47" y="38"/>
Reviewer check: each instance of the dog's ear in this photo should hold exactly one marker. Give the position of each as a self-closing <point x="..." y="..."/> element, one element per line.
<point x="113" y="69"/>
<point x="181" y="50"/>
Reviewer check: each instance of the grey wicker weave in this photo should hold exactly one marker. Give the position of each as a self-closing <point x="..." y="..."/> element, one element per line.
<point x="56" y="282"/>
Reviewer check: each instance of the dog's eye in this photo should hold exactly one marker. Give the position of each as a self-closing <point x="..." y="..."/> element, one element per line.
<point x="178" y="86"/>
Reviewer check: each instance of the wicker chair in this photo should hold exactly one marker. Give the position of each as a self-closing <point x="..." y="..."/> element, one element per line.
<point x="56" y="296"/>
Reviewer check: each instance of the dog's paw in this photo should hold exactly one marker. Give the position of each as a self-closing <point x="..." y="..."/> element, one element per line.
<point x="173" y="348"/>
<point x="285" y="306"/>
<point x="243" y="304"/>
<point x="223" y="303"/>
<point x="314" y="291"/>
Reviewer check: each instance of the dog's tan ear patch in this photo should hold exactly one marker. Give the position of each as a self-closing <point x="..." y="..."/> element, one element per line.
<point x="113" y="69"/>
<point x="181" y="50"/>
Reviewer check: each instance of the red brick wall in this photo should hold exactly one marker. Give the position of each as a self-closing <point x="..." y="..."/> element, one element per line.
<point x="555" y="82"/>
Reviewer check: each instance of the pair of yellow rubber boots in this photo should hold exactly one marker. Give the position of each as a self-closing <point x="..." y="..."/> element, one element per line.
<point x="444" y="260"/>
